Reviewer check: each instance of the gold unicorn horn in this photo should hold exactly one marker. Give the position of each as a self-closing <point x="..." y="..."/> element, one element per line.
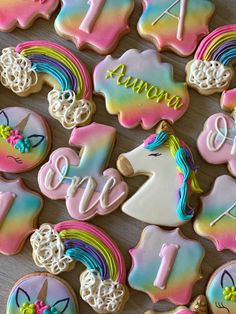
<point x="22" y="124"/>
<point x="164" y="126"/>
<point x="43" y="292"/>
<point x="199" y="305"/>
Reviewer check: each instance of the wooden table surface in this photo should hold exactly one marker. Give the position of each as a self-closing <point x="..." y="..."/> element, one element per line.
<point x="125" y="230"/>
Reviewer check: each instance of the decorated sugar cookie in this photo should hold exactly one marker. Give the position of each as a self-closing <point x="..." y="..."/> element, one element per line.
<point x="220" y="291"/>
<point x="161" y="265"/>
<point x="90" y="24"/>
<point x="175" y="24"/>
<point x="199" y="306"/>
<point x="42" y="293"/>
<point x="25" y="139"/>
<point x="217" y="142"/>
<point x="102" y="285"/>
<point x="19" y="210"/>
<point x="217" y="219"/>
<point x="27" y="67"/>
<point x="22" y="13"/>
<point x="211" y="69"/>
<point x="140" y="89"/>
<point x="83" y="180"/>
<point x="159" y="152"/>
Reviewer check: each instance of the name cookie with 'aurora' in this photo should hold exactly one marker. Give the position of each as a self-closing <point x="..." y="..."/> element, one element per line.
<point x="102" y="285"/>
<point x="140" y="89"/>
<point x="175" y="25"/>
<point x="25" y="68"/>
<point x="42" y="293"/>
<point x="161" y="265"/>
<point x="90" y="24"/>
<point x="22" y="13"/>
<point x="87" y="187"/>
<point x="157" y="201"/>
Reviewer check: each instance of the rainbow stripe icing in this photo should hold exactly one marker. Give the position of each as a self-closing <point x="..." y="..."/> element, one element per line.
<point x="216" y="220"/>
<point x="140" y="89"/>
<point x="21" y="13"/>
<point x="90" y="24"/>
<point x="103" y="281"/>
<point x="31" y="63"/>
<point x="176" y="25"/>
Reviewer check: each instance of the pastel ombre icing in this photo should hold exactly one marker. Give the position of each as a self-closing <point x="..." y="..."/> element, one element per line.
<point x="25" y="68"/>
<point x="103" y="281"/>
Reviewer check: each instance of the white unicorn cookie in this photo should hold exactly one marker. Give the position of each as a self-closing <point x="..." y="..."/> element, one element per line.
<point x="164" y="198"/>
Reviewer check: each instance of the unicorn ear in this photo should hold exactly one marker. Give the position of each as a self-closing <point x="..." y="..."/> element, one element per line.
<point x="226" y="279"/>
<point x="36" y="140"/>
<point x="62" y="305"/>
<point x="4" y="118"/>
<point x="21" y="297"/>
<point x="164" y="126"/>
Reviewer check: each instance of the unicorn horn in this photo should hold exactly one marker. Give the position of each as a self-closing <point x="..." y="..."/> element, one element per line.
<point x="199" y="305"/>
<point x="43" y="292"/>
<point x="164" y="126"/>
<point x="22" y="124"/>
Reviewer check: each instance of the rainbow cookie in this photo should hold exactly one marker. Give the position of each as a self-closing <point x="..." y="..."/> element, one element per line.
<point x="25" y="139"/>
<point x="102" y="284"/>
<point x="42" y="293"/>
<point x="140" y="89"/>
<point x="90" y="24"/>
<point x="175" y="25"/>
<point x="27" y="67"/>
<point x="83" y="181"/>
<point x="216" y="220"/>
<point x="160" y="151"/>
<point x="19" y="210"/>
<point x="22" y="13"/>
<point x="217" y="141"/>
<point x="161" y="265"/>
<point x="221" y="290"/>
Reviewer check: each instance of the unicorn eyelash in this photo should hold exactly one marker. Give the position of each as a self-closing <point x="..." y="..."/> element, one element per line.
<point x="220" y="305"/>
<point x="17" y="160"/>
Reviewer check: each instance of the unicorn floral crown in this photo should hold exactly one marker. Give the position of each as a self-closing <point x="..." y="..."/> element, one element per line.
<point x="15" y="138"/>
<point x="39" y="307"/>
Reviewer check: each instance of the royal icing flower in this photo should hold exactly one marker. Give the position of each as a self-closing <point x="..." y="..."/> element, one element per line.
<point x="52" y="310"/>
<point x="14" y="137"/>
<point x="230" y="293"/>
<point x="41" y="307"/>
<point x="5" y="131"/>
<point x="23" y="145"/>
<point x="27" y="308"/>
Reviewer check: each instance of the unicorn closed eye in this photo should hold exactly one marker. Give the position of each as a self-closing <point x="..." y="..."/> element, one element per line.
<point x="168" y="162"/>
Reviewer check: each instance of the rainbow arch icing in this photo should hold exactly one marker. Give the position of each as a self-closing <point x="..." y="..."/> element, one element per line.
<point x="57" y="248"/>
<point x="26" y="67"/>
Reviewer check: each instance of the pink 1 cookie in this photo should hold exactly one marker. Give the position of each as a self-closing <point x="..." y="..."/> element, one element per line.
<point x="217" y="219"/>
<point x="96" y="24"/>
<point x="81" y="180"/>
<point x="175" y="25"/>
<point x="19" y="210"/>
<point x="217" y="142"/>
<point x="22" y="13"/>
<point x="140" y="89"/>
<point x="25" y="139"/>
<point x="161" y="265"/>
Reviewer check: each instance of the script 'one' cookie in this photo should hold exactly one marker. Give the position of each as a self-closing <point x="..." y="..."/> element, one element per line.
<point x="102" y="284"/>
<point x="42" y="293"/>
<point x="140" y="89"/>
<point x="25" y="139"/>
<point x="95" y="24"/>
<point x="167" y="161"/>
<point x="221" y="289"/>
<point x="175" y="25"/>
<point x="217" y="219"/>
<point x="165" y="265"/>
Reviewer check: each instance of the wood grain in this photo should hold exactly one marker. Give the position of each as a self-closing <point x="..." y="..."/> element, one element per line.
<point x="125" y="230"/>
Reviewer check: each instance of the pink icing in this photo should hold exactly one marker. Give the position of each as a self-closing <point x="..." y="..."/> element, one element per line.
<point x="90" y="19"/>
<point x="6" y="200"/>
<point x="150" y="139"/>
<point x="14" y="137"/>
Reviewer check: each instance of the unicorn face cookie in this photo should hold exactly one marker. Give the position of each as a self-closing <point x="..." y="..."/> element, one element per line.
<point x="217" y="142"/>
<point x="25" y="139"/>
<point x="161" y="267"/>
<point x="220" y="291"/>
<point x="25" y="68"/>
<point x="217" y="219"/>
<point x="175" y="24"/>
<point x="19" y="210"/>
<point x="102" y="284"/>
<point x="169" y="205"/>
<point x="87" y="187"/>
<point x="140" y="89"/>
<point x="90" y="24"/>
<point x="22" y="13"/>
<point x="42" y="293"/>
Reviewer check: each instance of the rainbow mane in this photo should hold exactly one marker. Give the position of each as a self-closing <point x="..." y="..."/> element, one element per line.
<point x="186" y="169"/>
